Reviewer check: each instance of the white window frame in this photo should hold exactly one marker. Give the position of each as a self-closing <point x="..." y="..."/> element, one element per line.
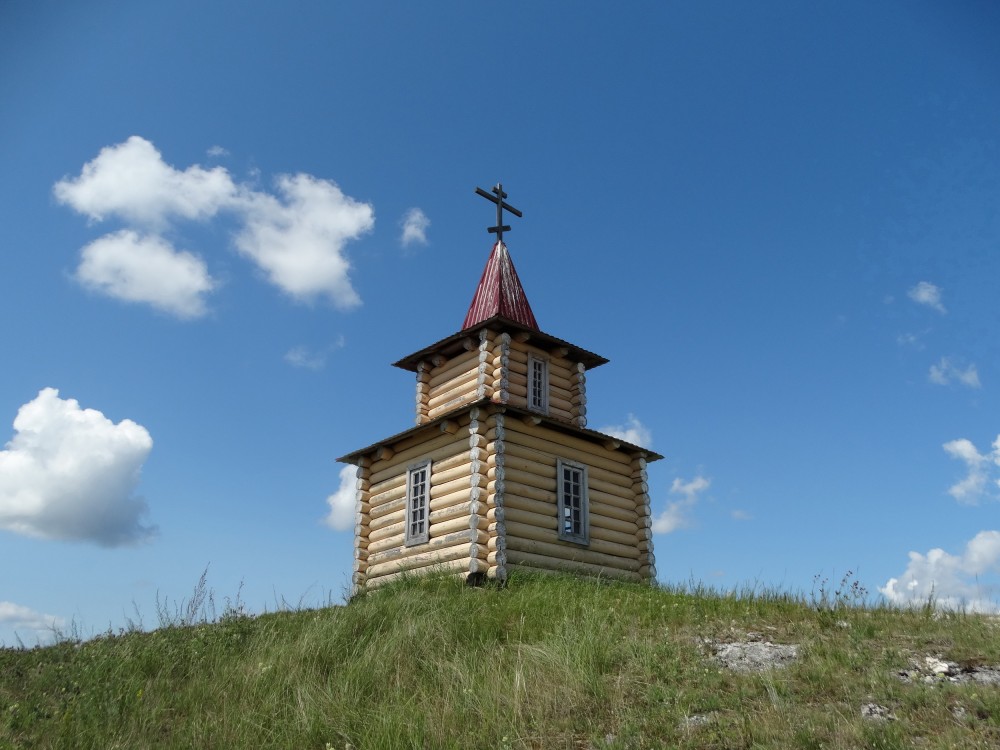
<point x="418" y="504"/>
<point x="579" y="531"/>
<point x="543" y="364"/>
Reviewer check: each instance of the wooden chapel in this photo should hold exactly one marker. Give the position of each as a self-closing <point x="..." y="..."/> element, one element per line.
<point x="500" y="472"/>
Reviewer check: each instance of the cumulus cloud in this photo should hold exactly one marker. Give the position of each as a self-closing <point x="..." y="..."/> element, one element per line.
<point x="136" y="268"/>
<point x="633" y="431"/>
<point x="217" y="152"/>
<point x="343" y="502"/>
<point x="296" y="236"/>
<point x="19" y="617"/>
<point x="70" y="473"/>
<point x="951" y="581"/>
<point x="980" y="468"/>
<point x="298" y="240"/>
<point x="947" y="371"/>
<point x="132" y="182"/>
<point x="926" y="293"/>
<point x="415" y="224"/>
<point x="677" y="513"/>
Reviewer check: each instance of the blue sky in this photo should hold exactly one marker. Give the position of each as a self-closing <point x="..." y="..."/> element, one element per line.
<point x="220" y="222"/>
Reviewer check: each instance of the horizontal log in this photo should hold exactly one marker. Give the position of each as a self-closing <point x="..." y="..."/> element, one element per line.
<point x="469" y="375"/>
<point x="388" y="501"/>
<point x="628" y="528"/>
<point x="540" y="507"/>
<point x="527" y="531"/>
<point x="549" y="440"/>
<point x="439" y="447"/>
<point x="423" y="559"/>
<point x="567" y="551"/>
<point x="457" y="524"/>
<point x="469" y="480"/>
<point x="560" y="404"/>
<point x="459" y="496"/>
<point x="626" y="540"/>
<point x="469" y="398"/>
<point x="459" y="566"/>
<point x="514" y="450"/>
<point x="460" y="510"/>
<point x="648" y="571"/>
<point x="389" y="519"/>
<point x="442" y="396"/>
<point x="453" y="367"/>
<point x="465" y="536"/>
<point x="520" y="352"/>
<point x="611" y="488"/>
<point x="419" y="440"/>
<point x="538" y="520"/>
<point x="611" y="511"/>
<point x="525" y="490"/>
<point x="388" y="542"/>
<point x="385" y="532"/>
<point x="444" y="475"/>
<point x="606" y="498"/>
<point x="517" y="559"/>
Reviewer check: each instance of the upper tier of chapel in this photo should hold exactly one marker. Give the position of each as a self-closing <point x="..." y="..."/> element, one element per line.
<point x="502" y="355"/>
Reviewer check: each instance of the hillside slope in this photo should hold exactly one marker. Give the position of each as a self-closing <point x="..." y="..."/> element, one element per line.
<point x="547" y="662"/>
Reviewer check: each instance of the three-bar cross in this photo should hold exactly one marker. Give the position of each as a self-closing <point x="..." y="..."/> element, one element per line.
<point x="498" y="198"/>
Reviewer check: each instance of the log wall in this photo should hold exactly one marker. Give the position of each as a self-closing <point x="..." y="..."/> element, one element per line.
<point x="567" y="395"/>
<point x="458" y="537"/>
<point x="446" y="384"/>
<point x="521" y="495"/>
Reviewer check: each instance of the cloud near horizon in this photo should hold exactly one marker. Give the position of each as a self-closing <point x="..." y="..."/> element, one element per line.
<point x="980" y="470"/>
<point x="71" y="474"/>
<point x="950" y="581"/>
<point x="296" y="237"/>
<point x="633" y="431"/>
<point x="18" y="617"/>
<point x="677" y="513"/>
<point x="343" y="502"/>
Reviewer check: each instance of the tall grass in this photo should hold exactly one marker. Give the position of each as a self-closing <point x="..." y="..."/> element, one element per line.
<point x="547" y="662"/>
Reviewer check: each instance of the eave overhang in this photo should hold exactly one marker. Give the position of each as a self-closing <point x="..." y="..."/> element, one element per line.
<point x="609" y="442"/>
<point x="457" y="342"/>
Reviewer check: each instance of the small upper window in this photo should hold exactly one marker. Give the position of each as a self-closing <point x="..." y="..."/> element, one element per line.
<point x="418" y="480"/>
<point x="538" y="384"/>
<point x="574" y="522"/>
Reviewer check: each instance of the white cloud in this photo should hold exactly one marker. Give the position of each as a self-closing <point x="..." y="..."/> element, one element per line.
<point x="633" y="431"/>
<point x="19" y="617"/>
<point x="343" y="502"/>
<point x="946" y="372"/>
<point x="131" y="181"/>
<point x="952" y="581"/>
<point x="677" y="513"/>
<point x="136" y="268"/>
<point x="300" y="356"/>
<point x="926" y="293"/>
<point x="217" y="152"/>
<point x="415" y="224"/>
<point x="979" y="468"/>
<point x="71" y="473"/>
<point x="296" y="237"/>
<point x="299" y="242"/>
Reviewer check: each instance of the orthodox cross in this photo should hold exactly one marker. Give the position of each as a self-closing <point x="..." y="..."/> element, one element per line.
<point x="498" y="198"/>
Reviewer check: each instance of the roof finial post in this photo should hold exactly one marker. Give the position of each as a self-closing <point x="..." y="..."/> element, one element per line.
<point x="498" y="198"/>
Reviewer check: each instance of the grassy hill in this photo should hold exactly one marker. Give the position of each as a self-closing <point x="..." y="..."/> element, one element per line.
<point x="547" y="662"/>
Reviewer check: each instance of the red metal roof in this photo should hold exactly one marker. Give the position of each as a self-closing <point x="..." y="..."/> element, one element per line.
<point x="500" y="293"/>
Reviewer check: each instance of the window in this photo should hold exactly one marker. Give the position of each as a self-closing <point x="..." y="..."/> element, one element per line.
<point x="574" y="524"/>
<point x="538" y="384"/>
<point x="418" y="480"/>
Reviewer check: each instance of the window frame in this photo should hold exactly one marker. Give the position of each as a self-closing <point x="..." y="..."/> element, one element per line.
<point x="415" y="502"/>
<point x="543" y="363"/>
<point x="581" y="535"/>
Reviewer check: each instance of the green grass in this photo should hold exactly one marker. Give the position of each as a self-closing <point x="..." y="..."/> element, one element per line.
<point x="547" y="662"/>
